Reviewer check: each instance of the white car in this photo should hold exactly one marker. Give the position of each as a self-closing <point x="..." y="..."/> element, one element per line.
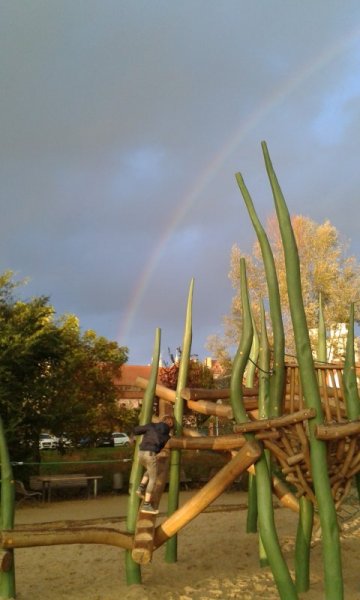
<point x="47" y="441"/>
<point x="120" y="439"/>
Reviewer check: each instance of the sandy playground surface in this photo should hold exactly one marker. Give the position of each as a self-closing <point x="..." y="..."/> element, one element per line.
<point x="216" y="558"/>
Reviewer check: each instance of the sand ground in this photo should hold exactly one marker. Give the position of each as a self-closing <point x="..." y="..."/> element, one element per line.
<point x="216" y="558"/>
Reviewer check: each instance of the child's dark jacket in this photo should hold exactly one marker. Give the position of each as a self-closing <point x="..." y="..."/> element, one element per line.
<point x="155" y="436"/>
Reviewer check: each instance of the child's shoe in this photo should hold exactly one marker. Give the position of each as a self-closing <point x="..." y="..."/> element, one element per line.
<point x="148" y="508"/>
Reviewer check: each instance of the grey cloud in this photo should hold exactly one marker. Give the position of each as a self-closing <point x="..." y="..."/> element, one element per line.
<point x="123" y="124"/>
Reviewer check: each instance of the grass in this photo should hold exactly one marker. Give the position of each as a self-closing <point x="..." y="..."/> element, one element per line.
<point x="198" y="465"/>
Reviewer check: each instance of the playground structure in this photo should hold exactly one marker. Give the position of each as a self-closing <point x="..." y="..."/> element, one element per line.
<point x="305" y="415"/>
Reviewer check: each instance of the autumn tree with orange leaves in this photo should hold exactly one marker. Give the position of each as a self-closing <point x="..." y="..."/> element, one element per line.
<point x="326" y="267"/>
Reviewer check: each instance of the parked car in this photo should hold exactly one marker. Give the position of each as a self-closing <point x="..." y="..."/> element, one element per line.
<point x="86" y="442"/>
<point x="104" y="440"/>
<point x="47" y="441"/>
<point x="120" y="439"/>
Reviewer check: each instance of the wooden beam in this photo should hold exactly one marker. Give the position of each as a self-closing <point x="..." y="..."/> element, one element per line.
<point x="17" y="538"/>
<point x="301" y="415"/>
<point x="221" y="442"/>
<point x="160" y="390"/>
<point x="214" y="394"/>
<point x="337" y="430"/>
<point x="214" y="488"/>
<point x="205" y="407"/>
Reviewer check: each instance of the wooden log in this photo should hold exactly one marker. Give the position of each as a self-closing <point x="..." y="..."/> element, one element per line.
<point x="345" y="467"/>
<point x="205" y="407"/>
<point x="142" y="550"/>
<point x="341" y="449"/>
<point x="345" y="493"/>
<point x="211" y="490"/>
<point x="160" y="390"/>
<point x="304" y="441"/>
<point x="216" y="394"/>
<point x="337" y="430"/>
<point x="17" y="538"/>
<point x="295" y="458"/>
<point x="144" y="538"/>
<point x="277" y="452"/>
<point x="221" y="442"/>
<point x="355" y="466"/>
<point x="301" y="415"/>
<point x="286" y="497"/>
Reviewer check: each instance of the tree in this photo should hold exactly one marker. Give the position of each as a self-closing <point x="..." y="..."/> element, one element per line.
<point x="325" y="268"/>
<point x="199" y="375"/>
<point x="52" y="376"/>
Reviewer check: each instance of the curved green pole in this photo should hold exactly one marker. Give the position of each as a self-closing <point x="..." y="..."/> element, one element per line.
<point x="351" y="391"/>
<point x="133" y="570"/>
<point x="277" y="381"/>
<point x="328" y="520"/>
<point x="175" y="455"/>
<point x="7" y="578"/>
<point x="321" y="346"/>
<point x="264" y="377"/>
<point x="349" y="377"/>
<point x="252" y="516"/>
<point x="306" y="516"/>
<point x="267" y="528"/>
<point x="253" y="358"/>
<point x="302" y="545"/>
<point x="264" y="368"/>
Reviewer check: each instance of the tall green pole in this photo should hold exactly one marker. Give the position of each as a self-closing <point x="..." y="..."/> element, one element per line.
<point x="7" y="513"/>
<point x="264" y="379"/>
<point x="303" y="544"/>
<point x="321" y="345"/>
<point x="267" y="527"/>
<point x="277" y="381"/>
<point x="252" y="516"/>
<point x="351" y="391"/>
<point x="175" y="455"/>
<point x="133" y="570"/>
<point x="253" y="358"/>
<point x="319" y="467"/>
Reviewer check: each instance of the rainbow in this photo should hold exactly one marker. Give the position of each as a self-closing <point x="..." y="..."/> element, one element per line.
<point x="279" y="95"/>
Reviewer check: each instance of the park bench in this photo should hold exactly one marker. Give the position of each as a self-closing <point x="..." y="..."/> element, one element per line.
<point x="46" y="483"/>
<point x="22" y="494"/>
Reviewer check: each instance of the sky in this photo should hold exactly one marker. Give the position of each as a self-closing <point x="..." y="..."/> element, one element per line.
<point x="122" y="125"/>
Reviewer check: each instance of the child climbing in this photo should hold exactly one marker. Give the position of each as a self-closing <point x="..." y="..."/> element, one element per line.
<point x="155" y="436"/>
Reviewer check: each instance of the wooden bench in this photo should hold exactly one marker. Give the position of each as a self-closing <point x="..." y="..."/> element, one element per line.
<point x="22" y="494"/>
<point x="46" y="483"/>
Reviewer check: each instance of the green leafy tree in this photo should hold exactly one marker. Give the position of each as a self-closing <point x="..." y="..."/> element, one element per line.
<point x="52" y="376"/>
<point x="325" y="267"/>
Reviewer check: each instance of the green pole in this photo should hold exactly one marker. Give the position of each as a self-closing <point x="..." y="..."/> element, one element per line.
<point x="328" y="520"/>
<point x="252" y="513"/>
<point x="251" y="520"/>
<point x="133" y="570"/>
<point x="253" y="358"/>
<point x="267" y="527"/>
<point x="264" y="379"/>
<point x="321" y="345"/>
<point x="7" y="578"/>
<point x="175" y="455"/>
<point x="351" y="391"/>
<point x="302" y="545"/>
<point x="277" y="381"/>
